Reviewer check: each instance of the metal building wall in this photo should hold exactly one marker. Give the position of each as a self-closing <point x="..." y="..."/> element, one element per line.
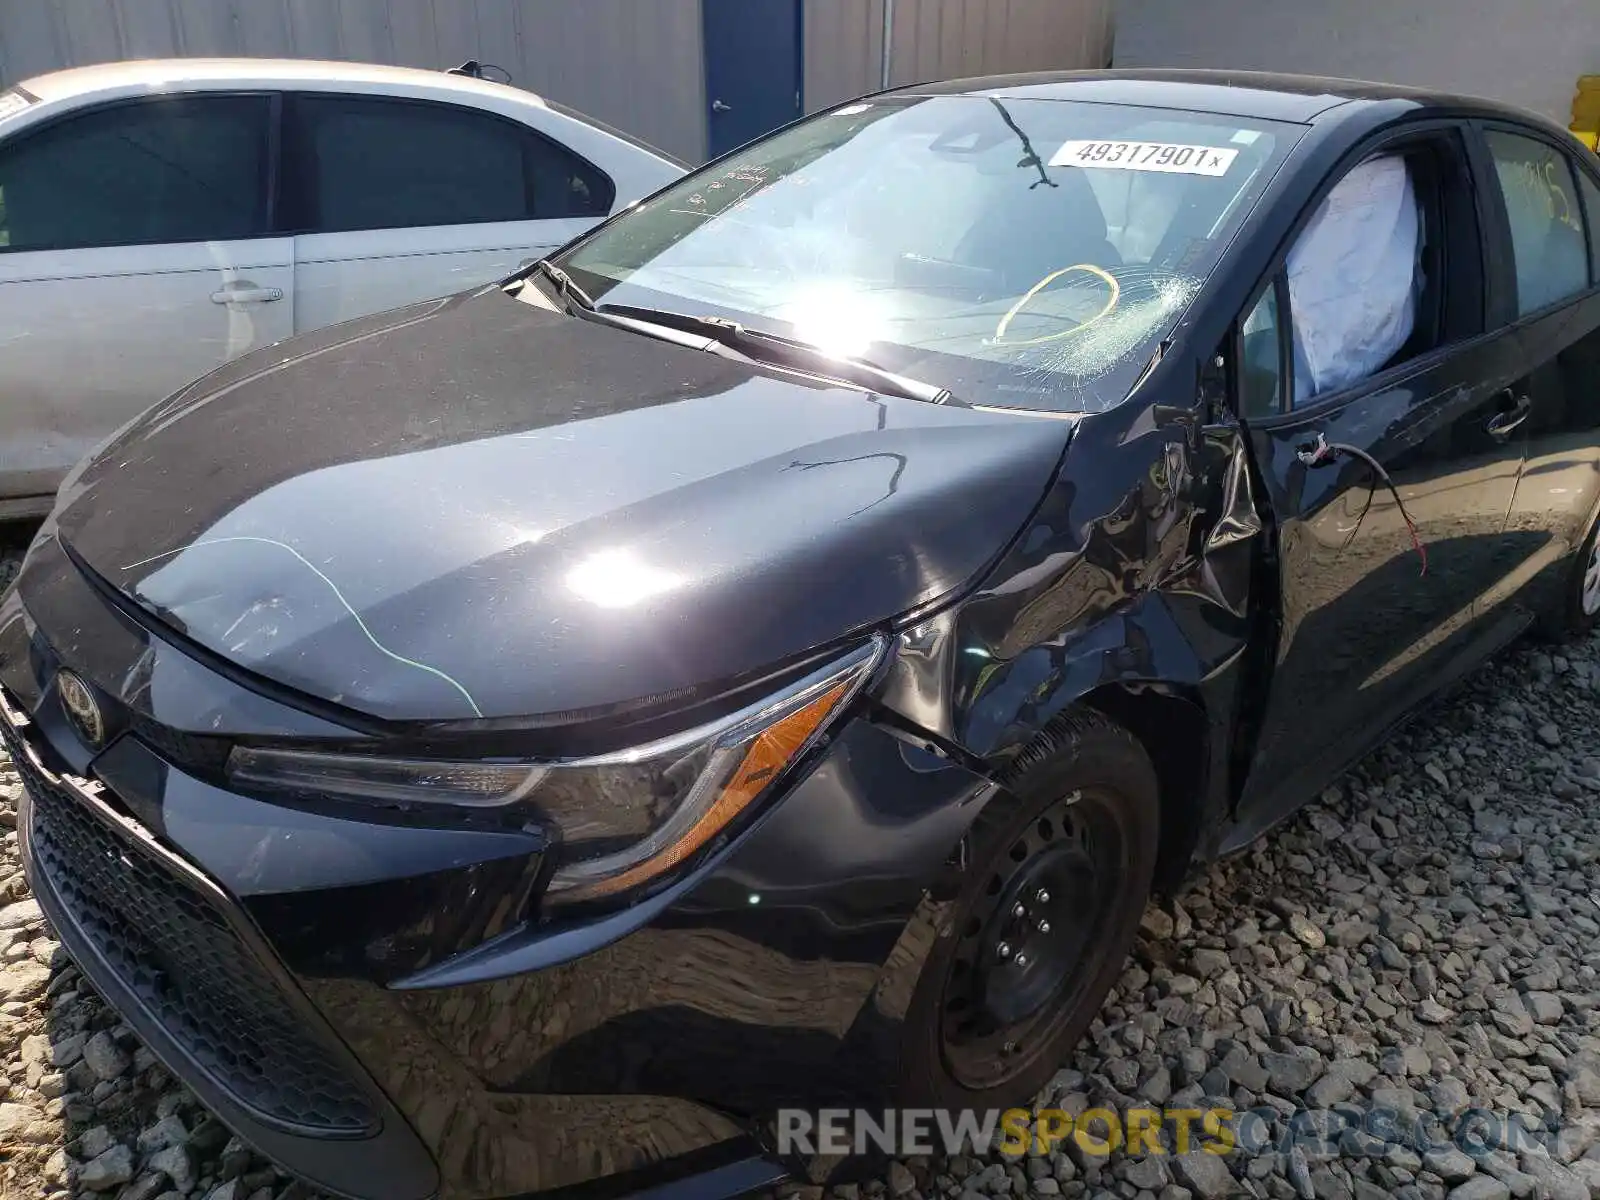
<point x="635" y="64"/>
<point x="940" y="39"/>
<point x="1527" y="52"/>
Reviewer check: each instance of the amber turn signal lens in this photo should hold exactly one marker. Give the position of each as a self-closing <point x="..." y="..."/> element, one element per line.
<point x="769" y="752"/>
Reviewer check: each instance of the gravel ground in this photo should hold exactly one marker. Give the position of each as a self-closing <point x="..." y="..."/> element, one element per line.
<point x="1424" y="939"/>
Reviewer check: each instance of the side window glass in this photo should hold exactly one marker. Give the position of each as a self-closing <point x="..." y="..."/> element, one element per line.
<point x="1261" y="358"/>
<point x="1547" y="242"/>
<point x="563" y="184"/>
<point x="1591" y="205"/>
<point x="186" y="170"/>
<point x="377" y="164"/>
<point x="1356" y="276"/>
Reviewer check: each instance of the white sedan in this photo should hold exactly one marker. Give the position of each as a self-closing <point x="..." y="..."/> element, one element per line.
<point x="159" y="218"/>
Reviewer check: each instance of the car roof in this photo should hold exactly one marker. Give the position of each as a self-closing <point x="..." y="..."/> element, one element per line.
<point x="176" y="74"/>
<point x="1299" y="98"/>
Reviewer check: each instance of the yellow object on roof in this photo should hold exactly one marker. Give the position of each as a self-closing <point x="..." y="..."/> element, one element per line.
<point x="1586" y="110"/>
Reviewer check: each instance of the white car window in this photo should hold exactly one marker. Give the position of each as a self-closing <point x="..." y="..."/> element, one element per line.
<point x="179" y="170"/>
<point x="366" y="163"/>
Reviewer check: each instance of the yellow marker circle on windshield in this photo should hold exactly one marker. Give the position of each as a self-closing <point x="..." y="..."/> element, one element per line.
<point x="1111" y="302"/>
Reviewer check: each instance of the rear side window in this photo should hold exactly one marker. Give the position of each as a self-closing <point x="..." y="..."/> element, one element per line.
<point x="1547" y="238"/>
<point x="365" y="163"/>
<point x="1591" y="206"/>
<point x="182" y="170"/>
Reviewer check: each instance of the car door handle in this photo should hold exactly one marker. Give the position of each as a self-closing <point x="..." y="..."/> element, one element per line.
<point x="246" y="293"/>
<point x="1502" y="423"/>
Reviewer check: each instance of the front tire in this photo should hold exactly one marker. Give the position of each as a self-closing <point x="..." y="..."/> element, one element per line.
<point x="1061" y="868"/>
<point x="1580" y="602"/>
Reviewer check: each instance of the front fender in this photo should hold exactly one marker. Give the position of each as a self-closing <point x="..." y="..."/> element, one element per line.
<point x="1134" y="576"/>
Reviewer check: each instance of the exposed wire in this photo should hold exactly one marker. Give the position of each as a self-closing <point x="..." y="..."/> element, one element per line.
<point x="338" y="595"/>
<point x="1322" y="450"/>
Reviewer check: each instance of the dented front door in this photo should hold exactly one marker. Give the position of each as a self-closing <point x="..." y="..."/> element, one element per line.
<point x="1370" y="621"/>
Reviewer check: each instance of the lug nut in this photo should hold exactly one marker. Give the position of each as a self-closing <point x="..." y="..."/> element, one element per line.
<point x="1022" y="960"/>
<point x="1044" y="927"/>
<point x="1011" y="1047"/>
<point x="1003" y="949"/>
<point x="1042" y="896"/>
<point x="1019" y="911"/>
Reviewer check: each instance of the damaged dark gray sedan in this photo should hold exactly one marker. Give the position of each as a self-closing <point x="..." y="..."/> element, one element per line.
<point x="768" y="654"/>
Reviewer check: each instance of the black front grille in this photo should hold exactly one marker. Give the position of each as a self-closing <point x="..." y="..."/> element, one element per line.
<point x="169" y="944"/>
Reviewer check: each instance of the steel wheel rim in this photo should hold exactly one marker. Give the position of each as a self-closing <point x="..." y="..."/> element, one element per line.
<point x="996" y="1014"/>
<point x="1589" y="595"/>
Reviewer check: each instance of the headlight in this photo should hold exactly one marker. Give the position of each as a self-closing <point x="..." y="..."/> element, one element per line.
<point x="623" y="819"/>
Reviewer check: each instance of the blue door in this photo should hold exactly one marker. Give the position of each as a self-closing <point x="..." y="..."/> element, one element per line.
<point x="752" y="52"/>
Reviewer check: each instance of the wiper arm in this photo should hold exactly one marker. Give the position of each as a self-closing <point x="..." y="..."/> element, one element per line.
<point x="565" y="287"/>
<point x="761" y="346"/>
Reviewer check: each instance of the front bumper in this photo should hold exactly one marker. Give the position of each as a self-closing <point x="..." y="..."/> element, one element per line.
<point x="378" y="1008"/>
<point x="172" y="954"/>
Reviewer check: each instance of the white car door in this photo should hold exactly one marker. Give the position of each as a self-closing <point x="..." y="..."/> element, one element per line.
<point x="404" y="200"/>
<point x="133" y="258"/>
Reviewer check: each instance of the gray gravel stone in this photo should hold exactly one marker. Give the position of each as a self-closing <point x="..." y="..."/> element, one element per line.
<point x="94" y="1142"/>
<point x="1150" y="1173"/>
<point x="1449" y="1164"/>
<point x="176" y="1164"/>
<point x="1288" y="1074"/>
<point x="1306" y="931"/>
<point x="1555" y="1181"/>
<point x="109" y="1170"/>
<point x="104" y="1057"/>
<point x="1449" y="1095"/>
<point x="168" y="1131"/>
<point x="146" y="1187"/>
<point x="1544" y="1007"/>
<point x="1298" y="1172"/>
<point x="1204" y="1174"/>
<point x="1330" y="1089"/>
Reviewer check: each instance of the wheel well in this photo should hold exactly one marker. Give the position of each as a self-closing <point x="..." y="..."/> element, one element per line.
<point x="1172" y="727"/>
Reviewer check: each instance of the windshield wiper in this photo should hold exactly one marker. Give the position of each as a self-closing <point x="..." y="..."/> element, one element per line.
<point x="773" y="347"/>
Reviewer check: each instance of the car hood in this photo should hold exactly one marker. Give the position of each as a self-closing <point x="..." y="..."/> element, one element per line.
<point x="478" y="507"/>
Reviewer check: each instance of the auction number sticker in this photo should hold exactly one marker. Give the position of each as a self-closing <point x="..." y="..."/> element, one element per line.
<point x="1169" y="157"/>
<point x="11" y="103"/>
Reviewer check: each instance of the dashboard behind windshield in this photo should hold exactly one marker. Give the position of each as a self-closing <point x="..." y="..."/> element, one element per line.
<point x="1021" y="252"/>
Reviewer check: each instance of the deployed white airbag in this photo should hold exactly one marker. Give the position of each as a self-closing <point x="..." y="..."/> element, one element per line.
<point x="1353" y="278"/>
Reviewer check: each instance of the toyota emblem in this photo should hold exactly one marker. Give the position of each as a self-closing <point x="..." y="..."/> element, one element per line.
<point x="82" y="710"/>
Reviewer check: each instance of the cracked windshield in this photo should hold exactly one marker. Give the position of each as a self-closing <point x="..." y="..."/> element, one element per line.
<point x="1022" y="253"/>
